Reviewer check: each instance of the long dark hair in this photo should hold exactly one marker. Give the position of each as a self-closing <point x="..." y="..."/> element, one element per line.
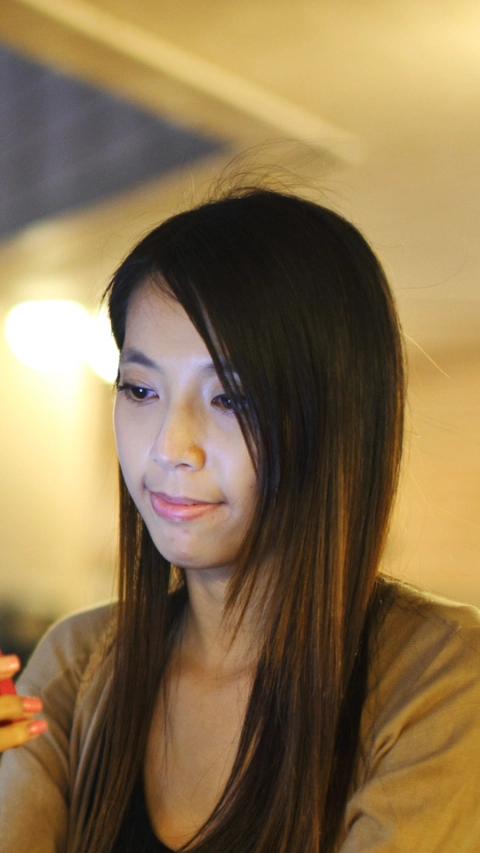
<point x="289" y="297"/>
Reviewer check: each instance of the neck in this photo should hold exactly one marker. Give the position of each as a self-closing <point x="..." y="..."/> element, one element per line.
<point x="210" y="641"/>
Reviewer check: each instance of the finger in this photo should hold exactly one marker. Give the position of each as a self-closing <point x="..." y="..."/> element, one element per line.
<point x="16" y="734"/>
<point x="9" y="665"/>
<point x="19" y="707"/>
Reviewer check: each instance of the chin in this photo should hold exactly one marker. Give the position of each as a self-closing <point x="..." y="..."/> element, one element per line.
<point x="194" y="563"/>
<point x="184" y="558"/>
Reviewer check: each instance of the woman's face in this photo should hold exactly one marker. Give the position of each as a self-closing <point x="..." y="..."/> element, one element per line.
<point x="181" y="450"/>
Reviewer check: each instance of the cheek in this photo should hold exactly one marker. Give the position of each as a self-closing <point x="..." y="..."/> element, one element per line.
<point x="128" y="440"/>
<point x="251" y="496"/>
<point x="243" y="477"/>
<point x="119" y="431"/>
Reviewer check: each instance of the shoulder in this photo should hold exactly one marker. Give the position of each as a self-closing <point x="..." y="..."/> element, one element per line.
<point x="424" y="685"/>
<point x="425" y="635"/>
<point x="427" y="648"/>
<point x="36" y="798"/>
<point x="68" y="647"/>
<point x="417" y="607"/>
<point x="418" y="783"/>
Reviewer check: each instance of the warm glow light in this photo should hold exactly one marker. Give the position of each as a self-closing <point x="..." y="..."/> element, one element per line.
<point x="101" y="352"/>
<point x="48" y="334"/>
<point x="57" y="334"/>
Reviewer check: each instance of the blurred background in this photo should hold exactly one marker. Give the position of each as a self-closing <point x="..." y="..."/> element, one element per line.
<point x="115" y="114"/>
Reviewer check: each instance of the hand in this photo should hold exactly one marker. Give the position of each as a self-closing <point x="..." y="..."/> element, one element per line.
<point x="16" y="712"/>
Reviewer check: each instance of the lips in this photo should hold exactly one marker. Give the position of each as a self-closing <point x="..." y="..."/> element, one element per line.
<point x="179" y="499"/>
<point x="179" y="507"/>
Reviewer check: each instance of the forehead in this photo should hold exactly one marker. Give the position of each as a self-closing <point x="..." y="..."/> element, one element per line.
<point x="148" y="300"/>
<point x="156" y="316"/>
<point x="158" y="330"/>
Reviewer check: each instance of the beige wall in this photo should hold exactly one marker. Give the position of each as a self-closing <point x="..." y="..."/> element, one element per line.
<point x="436" y="534"/>
<point x="58" y="485"/>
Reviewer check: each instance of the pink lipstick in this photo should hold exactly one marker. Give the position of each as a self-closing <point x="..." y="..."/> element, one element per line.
<point x="179" y="508"/>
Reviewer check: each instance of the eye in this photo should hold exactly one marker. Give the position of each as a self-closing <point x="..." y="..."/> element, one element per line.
<point x="137" y="393"/>
<point x="227" y="403"/>
<point x="223" y="401"/>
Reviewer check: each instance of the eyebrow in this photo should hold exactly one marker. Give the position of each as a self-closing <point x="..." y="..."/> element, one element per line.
<point x="132" y="355"/>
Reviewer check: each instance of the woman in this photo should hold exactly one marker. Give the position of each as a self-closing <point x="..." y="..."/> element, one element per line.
<point x="260" y="685"/>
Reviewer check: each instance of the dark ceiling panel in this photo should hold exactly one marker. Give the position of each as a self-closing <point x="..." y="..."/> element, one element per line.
<point x="65" y="144"/>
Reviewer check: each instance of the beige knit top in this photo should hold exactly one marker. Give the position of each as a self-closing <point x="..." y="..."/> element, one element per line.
<point x="417" y="788"/>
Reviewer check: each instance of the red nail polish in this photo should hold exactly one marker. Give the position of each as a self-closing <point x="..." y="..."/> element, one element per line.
<point x="36" y="727"/>
<point x="32" y="705"/>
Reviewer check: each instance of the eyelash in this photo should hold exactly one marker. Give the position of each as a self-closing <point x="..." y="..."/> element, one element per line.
<point x="131" y="392"/>
<point x="227" y="409"/>
<point x="134" y="392"/>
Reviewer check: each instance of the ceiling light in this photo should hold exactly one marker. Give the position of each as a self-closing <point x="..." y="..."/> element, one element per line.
<point x="101" y="350"/>
<point x="48" y="334"/>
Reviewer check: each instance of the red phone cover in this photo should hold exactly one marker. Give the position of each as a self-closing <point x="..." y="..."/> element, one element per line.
<point x="7" y="686"/>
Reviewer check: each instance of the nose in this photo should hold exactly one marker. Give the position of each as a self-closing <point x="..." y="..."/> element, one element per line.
<point x="179" y="441"/>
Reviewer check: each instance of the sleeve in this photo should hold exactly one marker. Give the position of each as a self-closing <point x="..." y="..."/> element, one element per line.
<point x="35" y="778"/>
<point x="421" y="785"/>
